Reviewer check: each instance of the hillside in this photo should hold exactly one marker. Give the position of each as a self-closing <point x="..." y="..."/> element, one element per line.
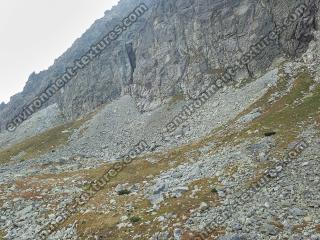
<point x="200" y="120"/>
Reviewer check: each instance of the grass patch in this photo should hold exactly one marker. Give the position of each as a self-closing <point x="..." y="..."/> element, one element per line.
<point x="286" y="115"/>
<point x="231" y="170"/>
<point x="277" y="224"/>
<point x="2" y="235"/>
<point x="182" y="206"/>
<point x="43" y="143"/>
<point x="91" y="223"/>
<point x="299" y="227"/>
<point x="134" y="174"/>
<point x="214" y="190"/>
<point x="138" y="171"/>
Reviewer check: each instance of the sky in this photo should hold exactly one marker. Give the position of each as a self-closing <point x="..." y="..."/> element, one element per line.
<point x="34" y="33"/>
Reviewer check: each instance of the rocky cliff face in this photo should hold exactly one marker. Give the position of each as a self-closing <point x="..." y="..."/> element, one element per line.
<point x="175" y="48"/>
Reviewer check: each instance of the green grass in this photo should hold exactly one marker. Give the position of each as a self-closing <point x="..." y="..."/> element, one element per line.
<point x="135" y="219"/>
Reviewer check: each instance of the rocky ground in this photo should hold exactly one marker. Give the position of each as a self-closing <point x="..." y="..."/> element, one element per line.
<point x="181" y="186"/>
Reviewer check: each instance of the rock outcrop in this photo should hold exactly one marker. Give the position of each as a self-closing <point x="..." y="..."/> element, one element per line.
<point x="174" y="48"/>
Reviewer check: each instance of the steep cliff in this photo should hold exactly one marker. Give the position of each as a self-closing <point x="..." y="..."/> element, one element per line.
<point x="175" y="48"/>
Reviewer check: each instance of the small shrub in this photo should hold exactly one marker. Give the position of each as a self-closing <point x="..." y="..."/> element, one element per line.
<point x="214" y="190"/>
<point x="269" y="134"/>
<point x="135" y="219"/>
<point x="124" y="192"/>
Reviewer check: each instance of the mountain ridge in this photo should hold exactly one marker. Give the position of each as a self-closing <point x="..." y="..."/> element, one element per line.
<point x="148" y="83"/>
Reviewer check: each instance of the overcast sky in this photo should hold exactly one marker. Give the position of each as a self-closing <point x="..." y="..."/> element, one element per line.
<point x="35" y="32"/>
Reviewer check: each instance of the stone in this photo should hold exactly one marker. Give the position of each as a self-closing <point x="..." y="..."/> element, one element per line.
<point x="160" y="188"/>
<point x="297" y="212"/>
<point x="269" y="229"/>
<point x="204" y="206"/>
<point x="177" y="233"/>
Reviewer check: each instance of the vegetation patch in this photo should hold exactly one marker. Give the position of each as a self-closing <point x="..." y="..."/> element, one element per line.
<point x="231" y="170"/>
<point x="188" y="201"/>
<point x="91" y="223"/>
<point x="269" y="134"/>
<point x="43" y="143"/>
<point x="299" y="227"/>
<point x="181" y="207"/>
<point x="2" y="235"/>
<point x="214" y="190"/>
<point x="277" y="224"/>
<point x="135" y="219"/>
<point x="124" y="192"/>
<point x="285" y="116"/>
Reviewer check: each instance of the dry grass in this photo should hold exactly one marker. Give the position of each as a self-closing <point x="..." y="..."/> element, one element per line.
<point x="299" y="227"/>
<point x="2" y="234"/>
<point x="42" y="143"/>
<point x="182" y="206"/>
<point x="92" y="223"/>
<point x="277" y="224"/>
<point x="29" y="188"/>
<point x="257" y="179"/>
<point x="231" y="170"/>
<point x="107" y="227"/>
<point x="138" y="172"/>
<point x="287" y="114"/>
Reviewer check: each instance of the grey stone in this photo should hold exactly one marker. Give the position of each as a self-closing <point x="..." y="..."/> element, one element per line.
<point x="269" y="229"/>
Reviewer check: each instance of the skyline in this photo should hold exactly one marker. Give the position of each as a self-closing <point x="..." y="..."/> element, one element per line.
<point x="47" y="39"/>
